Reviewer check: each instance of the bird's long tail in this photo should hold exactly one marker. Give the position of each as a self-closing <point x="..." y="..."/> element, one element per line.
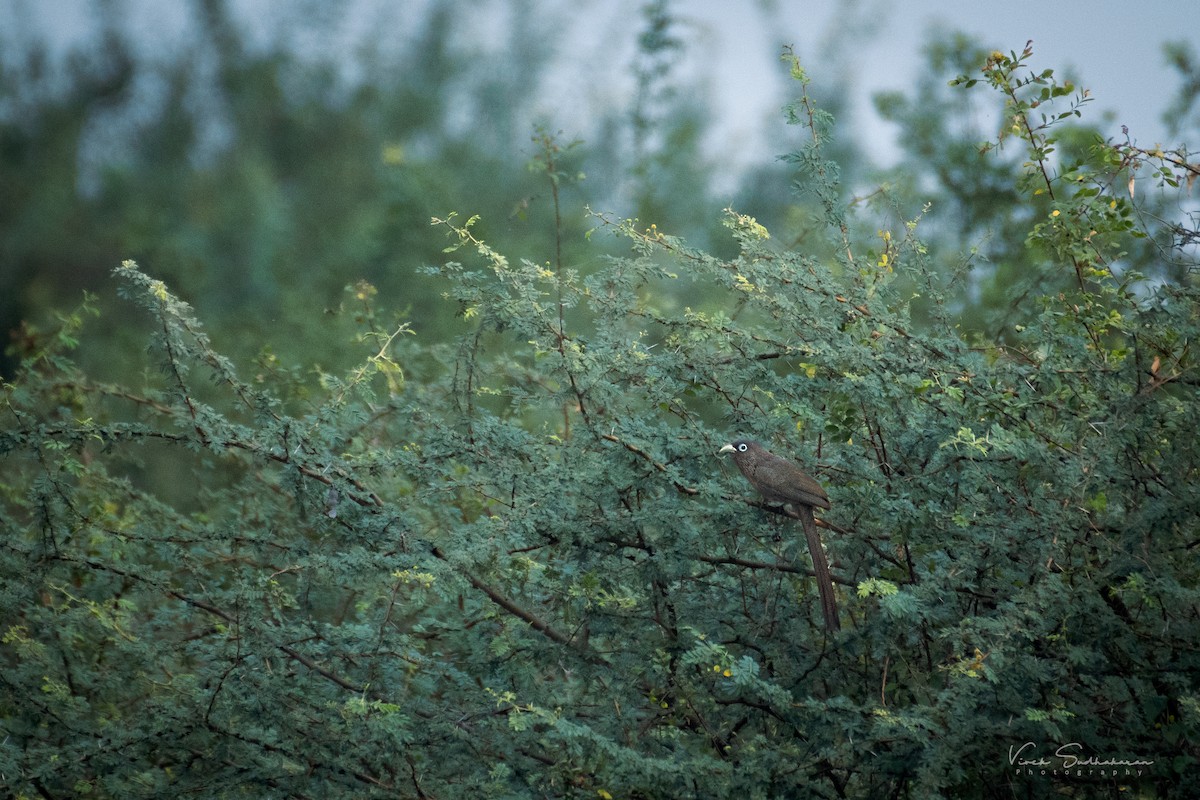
<point x="821" y="568"/>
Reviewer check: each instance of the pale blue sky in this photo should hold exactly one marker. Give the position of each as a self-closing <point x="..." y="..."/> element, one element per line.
<point x="1113" y="45"/>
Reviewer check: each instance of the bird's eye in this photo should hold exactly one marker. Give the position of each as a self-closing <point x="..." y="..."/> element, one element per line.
<point x="741" y="448"/>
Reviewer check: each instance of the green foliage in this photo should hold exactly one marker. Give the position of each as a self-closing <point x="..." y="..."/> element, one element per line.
<point x="513" y="566"/>
<point x="1005" y="205"/>
<point x="258" y="179"/>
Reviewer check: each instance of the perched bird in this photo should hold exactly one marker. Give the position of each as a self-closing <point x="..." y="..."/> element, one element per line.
<point x="780" y="481"/>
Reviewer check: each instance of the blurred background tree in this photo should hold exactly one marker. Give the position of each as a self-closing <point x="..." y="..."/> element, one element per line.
<point x="262" y="170"/>
<point x="261" y="180"/>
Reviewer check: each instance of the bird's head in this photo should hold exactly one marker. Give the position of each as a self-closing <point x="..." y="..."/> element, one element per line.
<point x="739" y="447"/>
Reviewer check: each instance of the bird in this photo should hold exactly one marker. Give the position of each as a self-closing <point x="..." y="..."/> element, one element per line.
<point x="780" y="481"/>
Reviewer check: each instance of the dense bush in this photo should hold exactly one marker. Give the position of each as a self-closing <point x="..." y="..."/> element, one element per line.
<point x="514" y="566"/>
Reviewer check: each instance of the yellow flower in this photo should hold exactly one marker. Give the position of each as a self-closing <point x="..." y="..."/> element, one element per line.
<point x="393" y="154"/>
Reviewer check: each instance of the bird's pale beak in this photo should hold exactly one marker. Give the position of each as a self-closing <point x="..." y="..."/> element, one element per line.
<point x="726" y="449"/>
